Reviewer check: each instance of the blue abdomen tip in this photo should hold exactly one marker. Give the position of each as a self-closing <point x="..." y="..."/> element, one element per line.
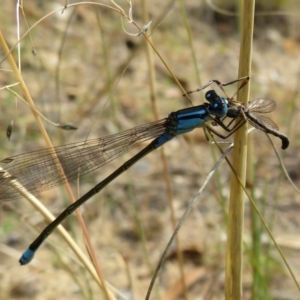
<point x="26" y="257"/>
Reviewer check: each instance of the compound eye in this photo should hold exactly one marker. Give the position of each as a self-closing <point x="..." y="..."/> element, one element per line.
<point x="218" y="105"/>
<point x="211" y="95"/>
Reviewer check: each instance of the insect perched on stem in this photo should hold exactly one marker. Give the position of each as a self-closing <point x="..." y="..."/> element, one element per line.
<point x="38" y="171"/>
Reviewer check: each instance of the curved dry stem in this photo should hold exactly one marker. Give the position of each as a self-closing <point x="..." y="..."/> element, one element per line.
<point x="183" y="218"/>
<point x="59" y="125"/>
<point x="283" y="167"/>
<point x="50" y="14"/>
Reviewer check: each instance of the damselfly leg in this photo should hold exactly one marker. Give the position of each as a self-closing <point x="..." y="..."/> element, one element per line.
<point x="221" y="85"/>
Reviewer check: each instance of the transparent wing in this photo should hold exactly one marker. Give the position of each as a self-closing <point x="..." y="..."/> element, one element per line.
<point x="263" y="120"/>
<point x="37" y="171"/>
<point x="261" y="106"/>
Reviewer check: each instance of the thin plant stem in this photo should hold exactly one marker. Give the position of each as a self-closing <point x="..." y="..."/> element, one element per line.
<point x="40" y="124"/>
<point x="166" y="174"/>
<point x="234" y="251"/>
<point x="190" y="40"/>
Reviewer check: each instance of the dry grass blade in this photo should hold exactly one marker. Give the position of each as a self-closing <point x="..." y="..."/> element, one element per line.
<point x="183" y="218"/>
<point x="234" y="262"/>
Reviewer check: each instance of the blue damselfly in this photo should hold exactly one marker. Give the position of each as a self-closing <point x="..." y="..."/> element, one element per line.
<point x="41" y="170"/>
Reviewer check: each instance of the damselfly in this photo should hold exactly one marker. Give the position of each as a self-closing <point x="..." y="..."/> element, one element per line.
<point x="42" y="170"/>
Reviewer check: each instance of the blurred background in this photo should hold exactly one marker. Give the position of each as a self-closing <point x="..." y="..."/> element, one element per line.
<point x="87" y="70"/>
